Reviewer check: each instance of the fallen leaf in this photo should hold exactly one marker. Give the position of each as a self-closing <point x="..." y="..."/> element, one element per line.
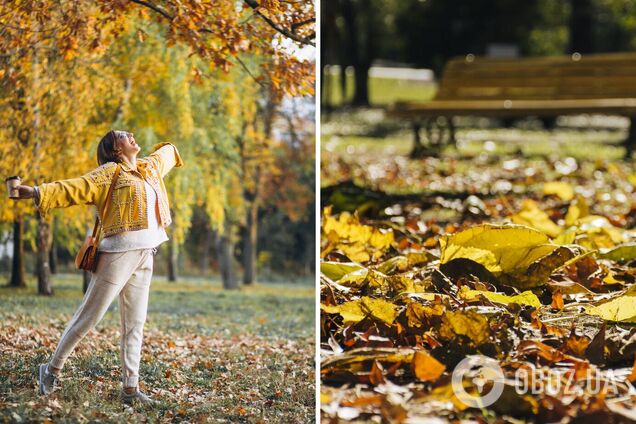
<point x="524" y="298"/>
<point x="426" y="367"/>
<point x="336" y="270"/>
<point x="557" y="300"/>
<point x="522" y="256"/>
<point x="563" y="190"/>
<point x="632" y="376"/>
<point x="619" y="309"/>
<point x="465" y="323"/>
<point x="533" y="217"/>
<point x="356" y="310"/>
<point x="376" y="375"/>
<point x="623" y="253"/>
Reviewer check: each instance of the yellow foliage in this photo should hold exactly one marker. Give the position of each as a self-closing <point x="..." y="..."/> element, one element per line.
<point x="356" y="310"/>
<point x="336" y="270"/>
<point x="525" y="298"/>
<point x="359" y="242"/>
<point x="577" y="210"/>
<point x="465" y="323"/>
<point x="500" y="249"/>
<point x="563" y="190"/>
<point x="532" y="216"/>
<point x="619" y="309"/>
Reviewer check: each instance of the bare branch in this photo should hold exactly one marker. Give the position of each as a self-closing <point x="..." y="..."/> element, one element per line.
<point x="297" y="25"/>
<point x="246" y="69"/>
<point x="153" y="7"/>
<point x="287" y="33"/>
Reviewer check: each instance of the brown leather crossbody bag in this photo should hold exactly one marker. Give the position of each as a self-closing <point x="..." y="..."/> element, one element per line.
<point x="87" y="256"/>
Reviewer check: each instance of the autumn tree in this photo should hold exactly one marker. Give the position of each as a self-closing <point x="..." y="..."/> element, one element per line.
<point x="55" y="50"/>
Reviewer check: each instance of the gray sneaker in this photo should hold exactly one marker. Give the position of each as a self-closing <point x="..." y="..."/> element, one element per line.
<point x="137" y="396"/>
<point x="47" y="380"/>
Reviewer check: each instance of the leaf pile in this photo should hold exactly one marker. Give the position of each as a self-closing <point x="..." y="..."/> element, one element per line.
<point x="541" y="282"/>
<point x="197" y="378"/>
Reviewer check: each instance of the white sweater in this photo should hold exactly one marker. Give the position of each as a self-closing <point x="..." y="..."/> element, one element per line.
<point x="147" y="238"/>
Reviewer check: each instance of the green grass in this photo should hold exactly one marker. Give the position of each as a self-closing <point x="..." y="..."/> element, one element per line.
<point x="491" y="141"/>
<point x="382" y="91"/>
<point x="208" y="355"/>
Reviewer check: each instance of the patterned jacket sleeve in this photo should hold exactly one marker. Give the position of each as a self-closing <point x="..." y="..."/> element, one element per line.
<point x="73" y="191"/>
<point x="164" y="157"/>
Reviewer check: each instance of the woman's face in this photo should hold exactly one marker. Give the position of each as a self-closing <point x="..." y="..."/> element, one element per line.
<point x="126" y="143"/>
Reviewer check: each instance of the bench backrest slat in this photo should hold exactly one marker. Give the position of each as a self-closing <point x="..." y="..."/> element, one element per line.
<point x="611" y="75"/>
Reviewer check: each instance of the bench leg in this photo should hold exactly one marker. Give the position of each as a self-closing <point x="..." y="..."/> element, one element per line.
<point x="630" y="141"/>
<point x="418" y="148"/>
<point x="451" y="131"/>
<point x="436" y="129"/>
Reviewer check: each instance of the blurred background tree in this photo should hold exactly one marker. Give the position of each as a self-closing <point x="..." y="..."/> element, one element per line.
<point x="427" y="33"/>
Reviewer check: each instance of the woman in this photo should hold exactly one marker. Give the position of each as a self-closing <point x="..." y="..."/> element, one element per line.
<point x="133" y="227"/>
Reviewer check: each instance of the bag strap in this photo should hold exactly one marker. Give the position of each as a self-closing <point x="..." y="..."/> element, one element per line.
<point x="108" y="196"/>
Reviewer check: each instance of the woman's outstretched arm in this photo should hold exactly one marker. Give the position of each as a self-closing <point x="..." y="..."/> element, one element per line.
<point x="164" y="157"/>
<point x="64" y="193"/>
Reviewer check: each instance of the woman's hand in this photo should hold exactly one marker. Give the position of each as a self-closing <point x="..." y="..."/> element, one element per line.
<point x="25" y="192"/>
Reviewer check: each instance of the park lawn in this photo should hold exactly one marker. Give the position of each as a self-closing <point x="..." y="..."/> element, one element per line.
<point x="356" y="142"/>
<point x="208" y="355"/>
<point x="382" y="91"/>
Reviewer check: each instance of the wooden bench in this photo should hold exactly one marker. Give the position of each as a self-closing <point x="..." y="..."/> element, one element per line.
<point x="545" y="87"/>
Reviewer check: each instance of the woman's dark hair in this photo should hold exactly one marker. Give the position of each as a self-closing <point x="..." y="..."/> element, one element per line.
<point x="106" y="149"/>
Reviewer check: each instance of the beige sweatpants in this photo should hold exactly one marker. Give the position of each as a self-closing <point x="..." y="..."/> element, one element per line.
<point x="128" y="275"/>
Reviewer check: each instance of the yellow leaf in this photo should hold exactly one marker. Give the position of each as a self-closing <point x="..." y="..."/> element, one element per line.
<point x="426" y="367"/>
<point x="359" y="242"/>
<point x="519" y="255"/>
<point x="525" y="298"/>
<point x="357" y="310"/>
<point x="623" y="253"/>
<point x="389" y="266"/>
<point x="336" y="270"/>
<point x="325" y="398"/>
<point x="563" y="190"/>
<point x="577" y="210"/>
<point x="499" y="249"/>
<point x="465" y="323"/>
<point x="609" y="279"/>
<point x="618" y="309"/>
<point x="417" y="314"/>
<point x="360" y="359"/>
<point x="532" y="216"/>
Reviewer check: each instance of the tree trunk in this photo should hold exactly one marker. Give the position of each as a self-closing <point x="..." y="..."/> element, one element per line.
<point x="86" y="276"/>
<point x="361" y="86"/>
<point x="53" y="252"/>
<point x="173" y="255"/>
<point x="43" y="239"/>
<point x="249" y="245"/>
<point x="17" y="265"/>
<point x="343" y="81"/>
<point x="581" y="26"/>
<point x="224" y="249"/>
<point x="204" y="260"/>
<point x="630" y="141"/>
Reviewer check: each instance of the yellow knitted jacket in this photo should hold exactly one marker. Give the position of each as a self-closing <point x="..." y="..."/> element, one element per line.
<point x="127" y="210"/>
